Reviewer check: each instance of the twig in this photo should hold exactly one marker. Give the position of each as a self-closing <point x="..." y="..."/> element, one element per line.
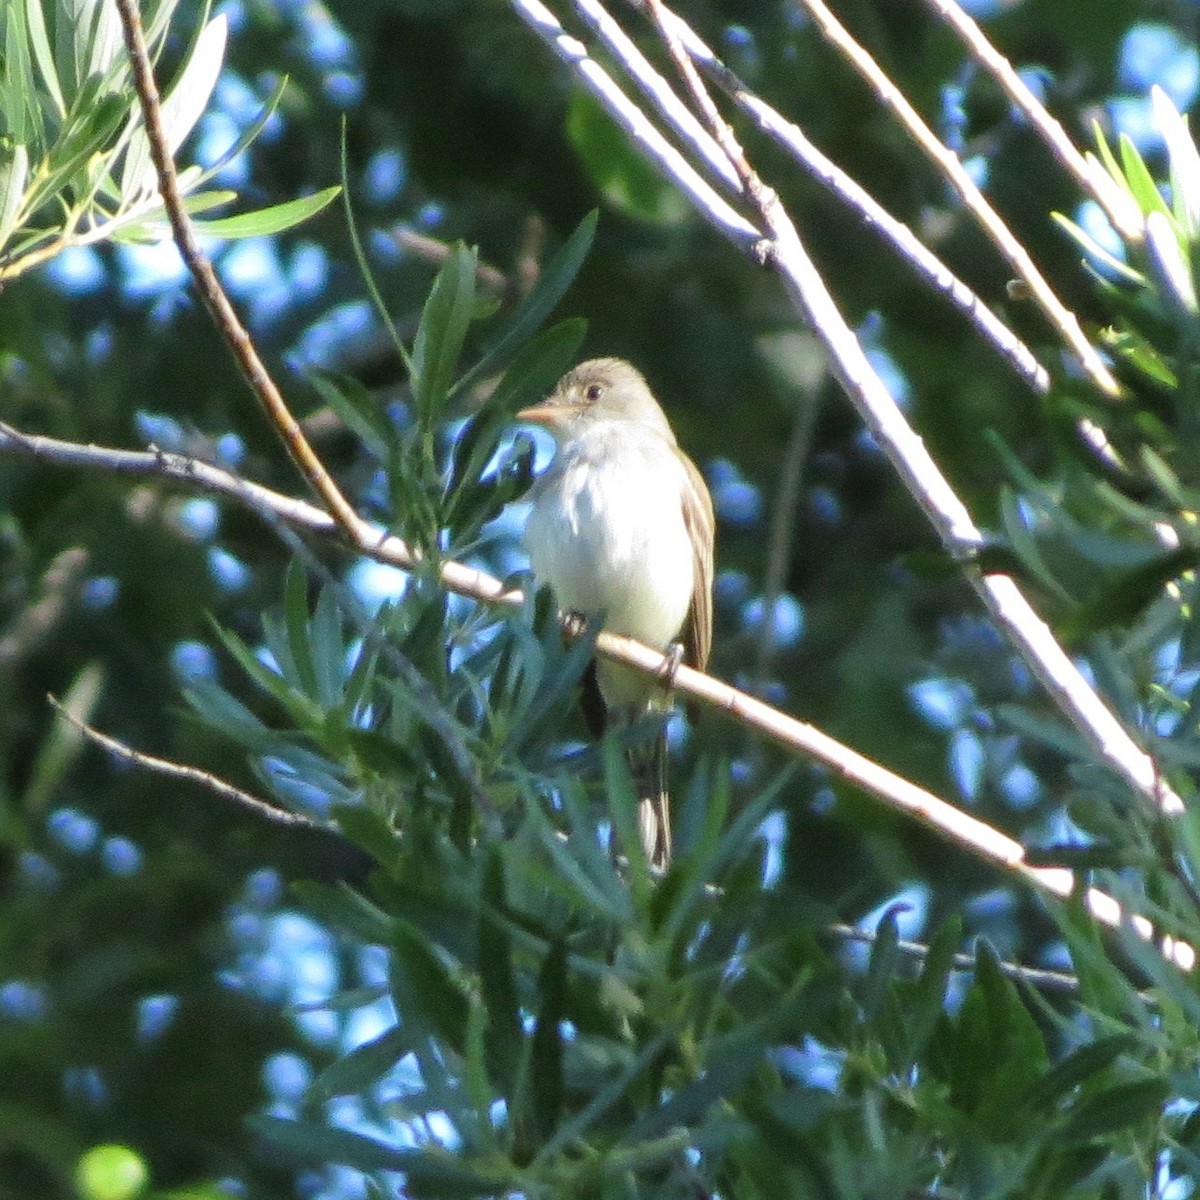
<point x="435" y="251"/>
<point x="794" y="736"/>
<point x="659" y="92"/>
<point x="209" y="286"/>
<point x="948" y="163"/>
<point x="206" y="779"/>
<point x="871" y="213"/>
<point x="1121" y="211"/>
<point x="782" y="534"/>
<point x="641" y="132"/>
<point x="1038" y="977"/>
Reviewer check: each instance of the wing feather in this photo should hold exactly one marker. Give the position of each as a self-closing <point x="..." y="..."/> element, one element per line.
<point x="700" y="521"/>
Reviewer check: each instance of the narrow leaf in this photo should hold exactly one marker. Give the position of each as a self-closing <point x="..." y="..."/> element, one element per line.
<point x="274" y="219"/>
<point x="556" y="276"/>
<point x="444" y="322"/>
<point x="362" y="1068"/>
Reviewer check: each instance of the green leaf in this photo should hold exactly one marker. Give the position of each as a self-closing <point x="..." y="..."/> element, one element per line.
<point x="1081" y="1066"/>
<point x="1101" y="257"/>
<point x="1130" y="594"/>
<point x="497" y="980"/>
<point x="425" y="991"/>
<point x="359" y="410"/>
<point x="370" y="831"/>
<point x="535" y="369"/>
<point x="274" y="219"/>
<point x="546" y="1053"/>
<point x="445" y="320"/>
<point x="13" y="175"/>
<point x="35" y="23"/>
<point x="17" y="83"/>
<point x="734" y="1058"/>
<point x="363" y="1067"/>
<point x="555" y="688"/>
<point x="228" y="715"/>
<point x="63" y="743"/>
<point x="295" y="612"/>
<point x="1139" y="180"/>
<point x="1116" y="1109"/>
<point x="307" y="1141"/>
<point x="249" y="133"/>
<point x="346" y="911"/>
<point x="929" y="997"/>
<point x="181" y="108"/>
<point x="329" y="651"/>
<point x="997" y="1051"/>
<point x="442" y="1173"/>
<point x="556" y="276"/>
<point x="885" y="959"/>
<point x="627" y="180"/>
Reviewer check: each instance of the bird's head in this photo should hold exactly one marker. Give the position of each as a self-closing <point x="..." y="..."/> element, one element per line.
<point x="601" y="389"/>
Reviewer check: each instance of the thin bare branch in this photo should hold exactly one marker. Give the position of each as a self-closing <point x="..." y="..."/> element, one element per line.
<point x="437" y="252"/>
<point x="796" y="737"/>
<point x="1121" y="213"/>
<point x="874" y="217"/>
<point x="640" y="130"/>
<point x="206" y="779"/>
<point x="782" y="534"/>
<point x="659" y="92"/>
<point x="956" y="174"/>
<point x="209" y="286"/>
<point x="1038" y="977"/>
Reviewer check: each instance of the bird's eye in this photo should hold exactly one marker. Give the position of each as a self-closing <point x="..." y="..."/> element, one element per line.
<point x="594" y="392"/>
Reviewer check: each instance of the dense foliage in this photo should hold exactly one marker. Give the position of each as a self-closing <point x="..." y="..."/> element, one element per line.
<point x="435" y="979"/>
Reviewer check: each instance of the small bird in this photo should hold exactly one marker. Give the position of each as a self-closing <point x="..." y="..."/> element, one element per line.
<point x="622" y="530"/>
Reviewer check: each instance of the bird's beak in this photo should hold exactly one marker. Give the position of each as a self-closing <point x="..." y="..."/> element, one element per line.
<point x="545" y="413"/>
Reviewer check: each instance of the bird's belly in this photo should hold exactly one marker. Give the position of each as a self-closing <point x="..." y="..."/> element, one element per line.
<point x="614" y="545"/>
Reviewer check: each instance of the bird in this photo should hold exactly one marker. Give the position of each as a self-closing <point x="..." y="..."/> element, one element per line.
<point x="621" y="529"/>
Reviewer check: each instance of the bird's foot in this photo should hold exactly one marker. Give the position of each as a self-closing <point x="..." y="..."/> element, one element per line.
<point x="574" y="623"/>
<point x="670" y="668"/>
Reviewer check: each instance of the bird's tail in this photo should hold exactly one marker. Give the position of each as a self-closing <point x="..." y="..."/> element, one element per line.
<point x="648" y="768"/>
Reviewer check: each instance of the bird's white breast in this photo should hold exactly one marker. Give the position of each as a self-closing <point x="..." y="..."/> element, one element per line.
<point x="606" y="531"/>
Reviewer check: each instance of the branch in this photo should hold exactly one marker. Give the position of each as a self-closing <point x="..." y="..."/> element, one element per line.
<point x="637" y="126"/>
<point x="1038" y="977"/>
<point x="1096" y="182"/>
<point x="209" y="286"/>
<point x="977" y="204"/>
<point x="873" y="216"/>
<point x="207" y="780"/>
<point x="796" y="737"/>
<point x="59" y="586"/>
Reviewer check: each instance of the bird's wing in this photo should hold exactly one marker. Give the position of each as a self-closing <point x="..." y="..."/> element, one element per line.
<point x="701" y="525"/>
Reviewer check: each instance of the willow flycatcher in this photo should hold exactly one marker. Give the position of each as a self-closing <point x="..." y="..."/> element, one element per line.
<point x="621" y="530"/>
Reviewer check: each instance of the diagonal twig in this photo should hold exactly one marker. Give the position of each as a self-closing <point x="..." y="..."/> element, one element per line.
<point x="951" y="167"/>
<point x="211" y="291"/>
<point x="1094" y="180"/>
<point x="873" y="216"/>
<point x="206" y="779"/>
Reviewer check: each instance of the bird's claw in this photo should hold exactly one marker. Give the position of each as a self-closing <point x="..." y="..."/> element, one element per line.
<point x="670" y="668"/>
<point x="574" y="623"/>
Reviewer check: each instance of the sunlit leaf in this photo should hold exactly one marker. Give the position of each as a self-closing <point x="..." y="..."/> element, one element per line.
<point x="181" y="108"/>
<point x="275" y="219"/>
